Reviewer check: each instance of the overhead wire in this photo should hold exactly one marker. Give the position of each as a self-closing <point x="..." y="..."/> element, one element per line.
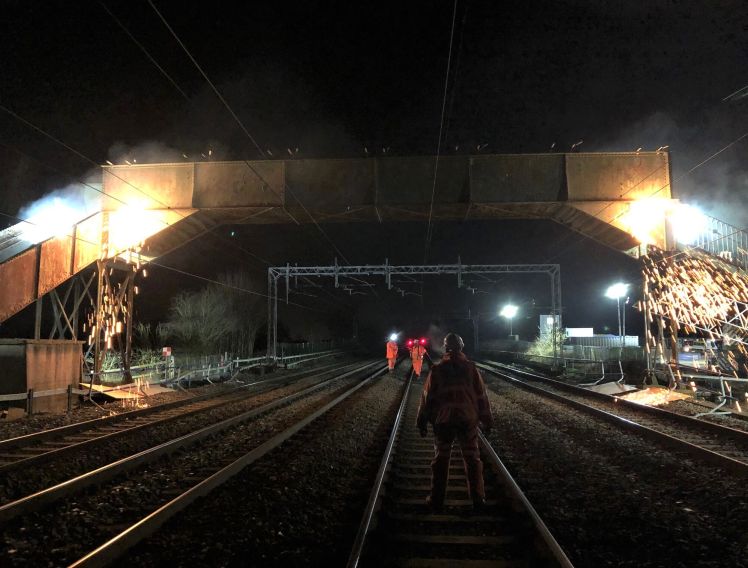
<point x="174" y="83"/>
<point x="245" y="130"/>
<point x="145" y="51"/>
<point x="78" y="238"/>
<point x="456" y="79"/>
<point x="427" y="245"/>
<point x="107" y="171"/>
<point x="58" y="141"/>
<point x="668" y="184"/>
<point x="554" y="256"/>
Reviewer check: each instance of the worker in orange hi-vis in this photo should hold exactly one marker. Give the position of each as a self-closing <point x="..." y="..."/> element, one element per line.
<point x="392" y="351"/>
<point x="417" y="353"/>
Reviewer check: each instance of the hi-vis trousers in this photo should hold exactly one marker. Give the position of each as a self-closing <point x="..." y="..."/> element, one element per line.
<point x="467" y="438"/>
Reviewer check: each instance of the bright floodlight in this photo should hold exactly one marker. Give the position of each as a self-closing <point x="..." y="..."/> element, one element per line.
<point x="617" y="290"/>
<point x="393" y="337"/>
<point x="50" y="218"/>
<point x="509" y="311"/>
<point x="687" y="223"/>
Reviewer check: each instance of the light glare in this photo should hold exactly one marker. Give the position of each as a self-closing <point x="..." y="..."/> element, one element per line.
<point x="51" y="218"/>
<point x="687" y="223"/>
<point x="617" y="290"/>
<point x="509" y="311"/>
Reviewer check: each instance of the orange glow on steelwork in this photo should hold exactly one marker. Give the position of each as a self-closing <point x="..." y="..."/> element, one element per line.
<point x="653" y="396"/>
<point x="645" y="218"/>
<point x="131" y="225"/>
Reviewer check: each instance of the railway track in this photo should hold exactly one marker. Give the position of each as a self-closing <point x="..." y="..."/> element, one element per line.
<point x="41" y="447"/>
<point x="207" y="474"/>
<point x="39" y="499"/>
<point x="398" y="529"/>
<point x="719" y="445"/>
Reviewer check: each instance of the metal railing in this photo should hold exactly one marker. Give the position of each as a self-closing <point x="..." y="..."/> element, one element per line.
<point x="161" y="373"/>
<point x="723" y="240"/>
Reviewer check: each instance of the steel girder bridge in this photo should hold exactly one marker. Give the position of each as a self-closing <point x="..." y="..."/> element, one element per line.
<point x="594" y="194"/>
<point x="385" y="272"/>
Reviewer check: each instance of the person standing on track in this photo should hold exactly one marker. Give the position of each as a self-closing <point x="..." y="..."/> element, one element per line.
<point x="392" y="352"/>
<point x="455" y="402"/>
<point x="417" y="354"/>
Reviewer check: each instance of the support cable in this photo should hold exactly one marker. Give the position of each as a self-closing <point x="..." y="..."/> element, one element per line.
<point x="680" y="178"/>
<point x="96" y="189"/>
<point x="244" y="129"/>
<point x="439" y="141"/>
<point x="181" y="92"/>
<point x="160" y="265"/>
<point x="145" y="51"/>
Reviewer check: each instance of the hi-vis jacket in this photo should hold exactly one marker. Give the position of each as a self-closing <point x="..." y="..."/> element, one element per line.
<point x="391" y="349"/>
<point x="454" y="394"/>
<point x="417" y="352"/>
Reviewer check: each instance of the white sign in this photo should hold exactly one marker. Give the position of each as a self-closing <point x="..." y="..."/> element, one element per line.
<point x="579" y="332"/>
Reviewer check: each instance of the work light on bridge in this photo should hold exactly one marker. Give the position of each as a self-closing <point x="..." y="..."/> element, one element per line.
<point x="688" y="223"/>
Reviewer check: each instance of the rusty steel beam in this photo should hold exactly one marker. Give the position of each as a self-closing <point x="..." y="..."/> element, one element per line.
<point x="589" y="193"/>
<point x="29" y="271"/>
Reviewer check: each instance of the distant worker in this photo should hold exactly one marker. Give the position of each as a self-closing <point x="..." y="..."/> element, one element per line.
<point x="417" y="353"/>
<point x="455" y="402"/>
<point x="392" y="351"/>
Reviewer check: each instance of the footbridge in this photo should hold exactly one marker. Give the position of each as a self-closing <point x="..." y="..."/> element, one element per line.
<point x="148" y="210"/>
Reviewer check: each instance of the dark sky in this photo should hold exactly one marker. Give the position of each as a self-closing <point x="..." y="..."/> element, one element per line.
<point x="333" y="77"/>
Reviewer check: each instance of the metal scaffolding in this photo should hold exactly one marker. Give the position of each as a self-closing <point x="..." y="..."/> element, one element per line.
<point x="386" y="272"/>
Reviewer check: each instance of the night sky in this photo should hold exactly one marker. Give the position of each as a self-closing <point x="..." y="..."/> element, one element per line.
<point x="334" y="77"/>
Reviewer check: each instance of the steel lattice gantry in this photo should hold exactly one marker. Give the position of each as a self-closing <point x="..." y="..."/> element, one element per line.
<point x="387" y="271"/>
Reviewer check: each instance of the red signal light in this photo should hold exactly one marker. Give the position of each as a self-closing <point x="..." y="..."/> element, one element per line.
<point x="410" y="342"/>
<point x="423" y="341"/>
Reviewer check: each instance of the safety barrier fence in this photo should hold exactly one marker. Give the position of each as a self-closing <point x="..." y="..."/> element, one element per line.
<point x="32" y="394"/>
<point x="160" y="373"/>
<point x="599" y="369"/>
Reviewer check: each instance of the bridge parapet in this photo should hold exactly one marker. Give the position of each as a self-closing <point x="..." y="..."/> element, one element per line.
<point x="591" y="193"/>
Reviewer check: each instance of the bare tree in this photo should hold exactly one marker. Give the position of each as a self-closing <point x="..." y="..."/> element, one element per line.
<point x="248" y="310"/>
<point x="220" y="317"/>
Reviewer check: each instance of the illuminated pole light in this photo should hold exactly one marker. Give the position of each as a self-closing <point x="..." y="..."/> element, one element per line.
<point x="617" y="291"/>
<point x="509" y="311"/>
<point x="393" y="337"/>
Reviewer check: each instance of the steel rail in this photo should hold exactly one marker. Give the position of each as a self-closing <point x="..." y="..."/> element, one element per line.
<point x="374" y="497"/>
<point x="229" y="397"/>
<point x="739" y="436"/>
<point x="37" y="500"/>
<point x="115" y="547"/>
<point x="61" y="431"/>
<point x="710" y="456"/>
<point x="362" y="551"/>
<point x="516" y="493"/>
